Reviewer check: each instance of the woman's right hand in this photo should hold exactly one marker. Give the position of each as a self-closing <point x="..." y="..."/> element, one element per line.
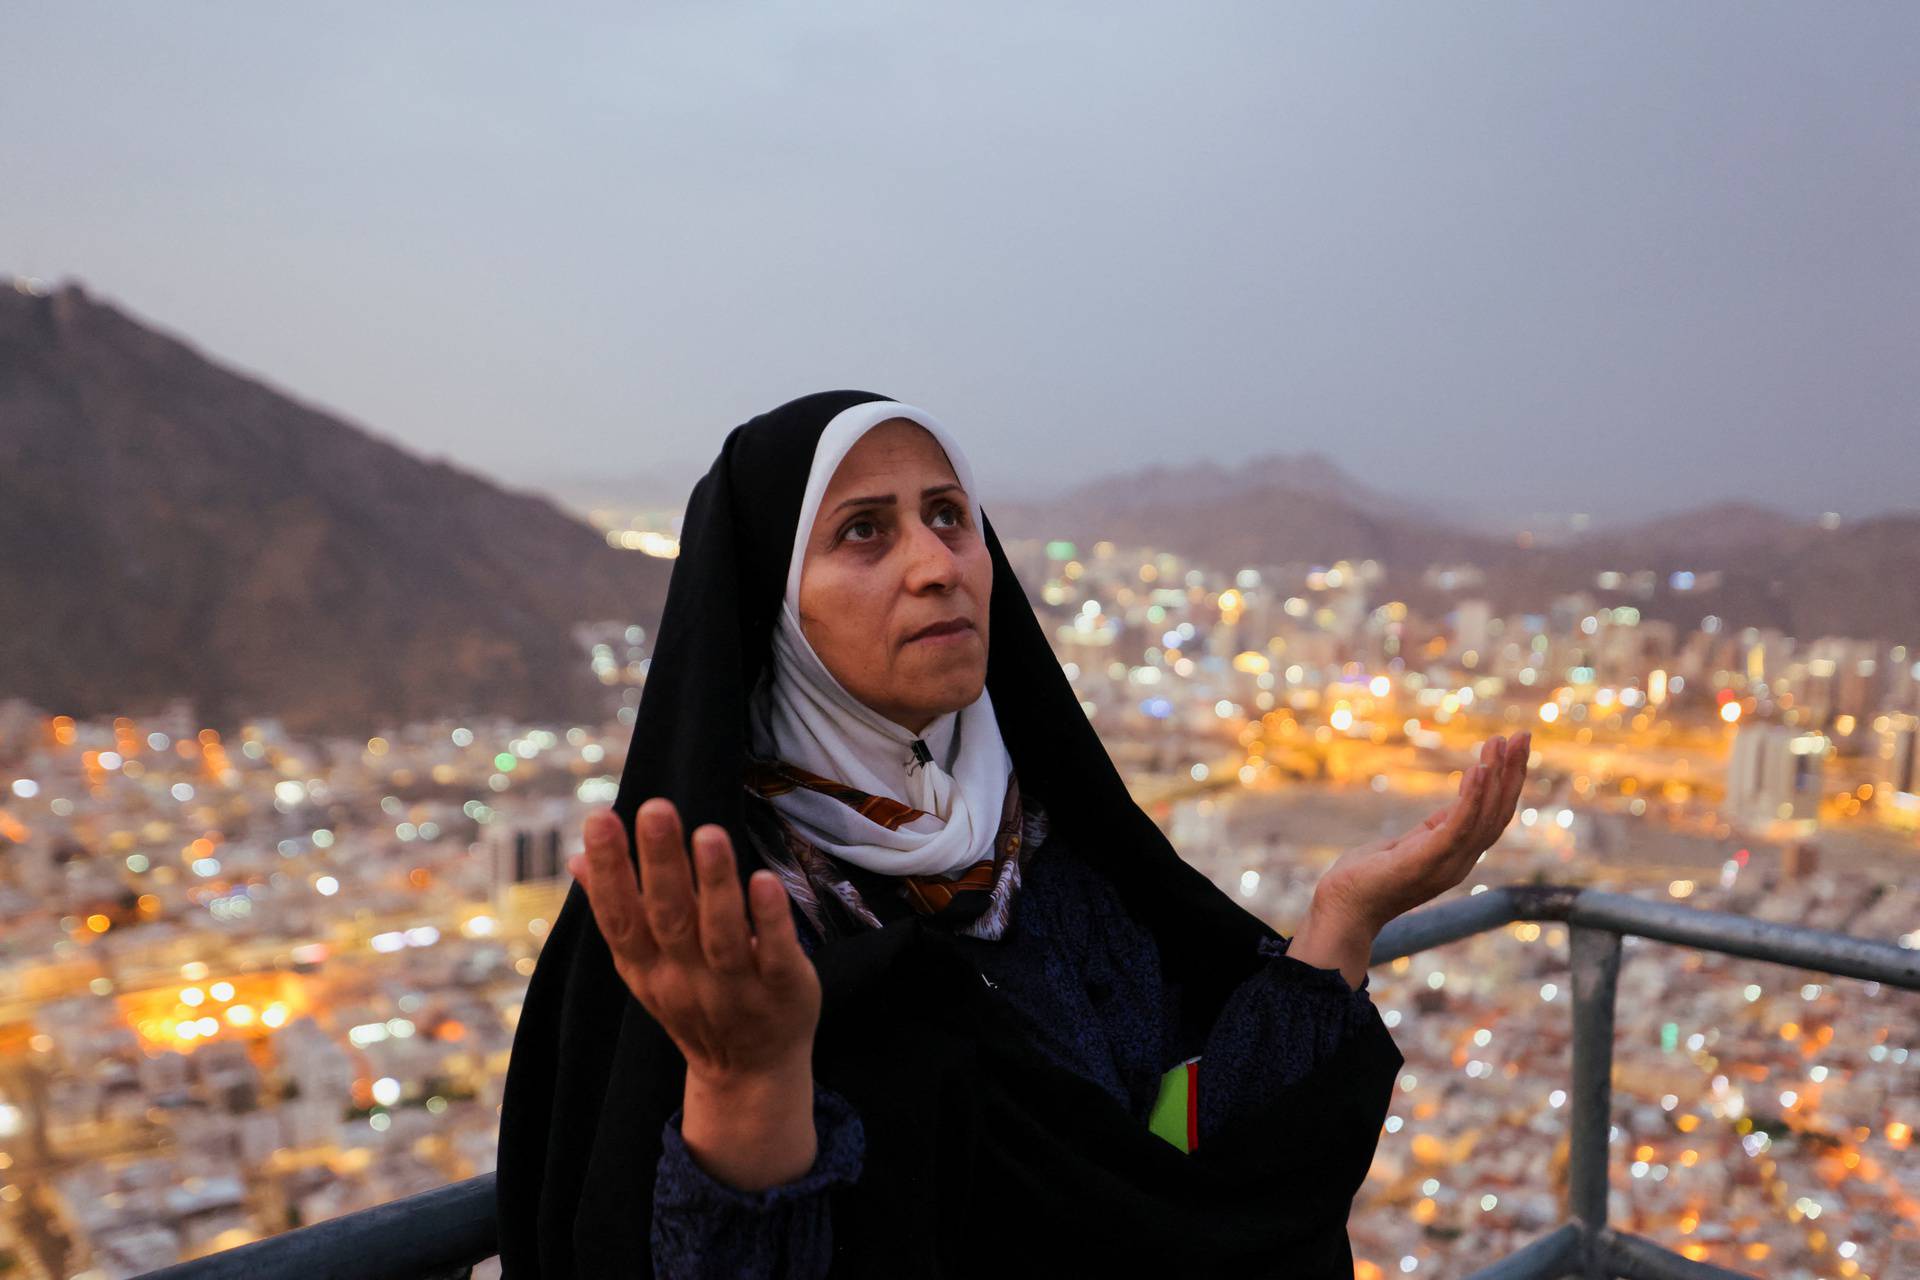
<point x="742" y="1006"/>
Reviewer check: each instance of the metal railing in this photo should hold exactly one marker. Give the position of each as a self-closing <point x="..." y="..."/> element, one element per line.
<point x="1586" y="1246"/>
<point x="441" y="1234"/>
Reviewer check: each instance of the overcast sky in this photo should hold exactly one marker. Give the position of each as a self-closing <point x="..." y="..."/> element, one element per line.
<point x="1615" y="259"/>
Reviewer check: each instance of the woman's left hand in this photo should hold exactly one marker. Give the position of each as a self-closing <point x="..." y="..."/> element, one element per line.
<point x="1370" y="885"/>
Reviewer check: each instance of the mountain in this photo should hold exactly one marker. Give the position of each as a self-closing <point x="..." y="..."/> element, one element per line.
<point x="172" y="527"/>
<point x="1753" y="566"/>
<point x="1270" y="510"/>
<point x="1206" y="482"/>
<point x="1724" y="528"/>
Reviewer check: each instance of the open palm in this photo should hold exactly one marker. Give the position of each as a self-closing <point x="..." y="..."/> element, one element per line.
<point x="1375" y="882"/>
<point x="738" y="1001"/>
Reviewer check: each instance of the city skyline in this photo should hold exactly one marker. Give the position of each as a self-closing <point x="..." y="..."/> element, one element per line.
<point x="280" y="971"/>
<point x="1620" y="264"/>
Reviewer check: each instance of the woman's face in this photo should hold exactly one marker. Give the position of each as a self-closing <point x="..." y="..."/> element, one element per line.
<point x="894" y="552"/>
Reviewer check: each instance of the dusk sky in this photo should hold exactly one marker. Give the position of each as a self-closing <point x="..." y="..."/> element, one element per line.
<point x="1616" y="259"/>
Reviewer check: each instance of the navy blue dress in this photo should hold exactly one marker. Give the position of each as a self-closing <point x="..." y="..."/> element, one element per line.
<point x="1088" y="977"/>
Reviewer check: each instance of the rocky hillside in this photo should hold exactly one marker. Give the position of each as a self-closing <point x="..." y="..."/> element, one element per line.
<point x="169" y="526"/>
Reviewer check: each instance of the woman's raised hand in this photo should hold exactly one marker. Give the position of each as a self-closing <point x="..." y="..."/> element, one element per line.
<point x="742" y="1006"/>
<point x="1370" y="885"/>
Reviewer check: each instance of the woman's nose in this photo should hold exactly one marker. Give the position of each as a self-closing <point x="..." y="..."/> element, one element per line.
<point x="930" y="561"/>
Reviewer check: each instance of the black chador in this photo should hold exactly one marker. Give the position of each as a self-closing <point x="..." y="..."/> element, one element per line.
<point x="983" y="1157"/>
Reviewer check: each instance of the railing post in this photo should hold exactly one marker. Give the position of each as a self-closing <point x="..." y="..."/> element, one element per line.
<point x="1596" y="972"/>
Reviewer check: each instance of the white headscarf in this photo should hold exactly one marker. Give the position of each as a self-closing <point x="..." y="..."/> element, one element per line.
<point x="806" y="717"/>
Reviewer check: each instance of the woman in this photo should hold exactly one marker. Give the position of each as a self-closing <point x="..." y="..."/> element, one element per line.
<point x="932" y="995"/>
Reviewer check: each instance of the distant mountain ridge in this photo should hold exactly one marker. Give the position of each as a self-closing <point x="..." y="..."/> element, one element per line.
<point x="1267" y="510"/>
<point x="1856" y="579"/>
<point x="172" y="527"/>
<point x="1309" y="472"/>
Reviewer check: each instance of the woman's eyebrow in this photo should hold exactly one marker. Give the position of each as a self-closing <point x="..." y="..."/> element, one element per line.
<point x="888" y="500"/>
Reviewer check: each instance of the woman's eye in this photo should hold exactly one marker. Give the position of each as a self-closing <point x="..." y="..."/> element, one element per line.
<point x="847" y="533"/>
<point x="952" y="510"/>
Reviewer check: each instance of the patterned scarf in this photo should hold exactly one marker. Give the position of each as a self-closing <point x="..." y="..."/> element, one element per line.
<point x="977" y="902"/>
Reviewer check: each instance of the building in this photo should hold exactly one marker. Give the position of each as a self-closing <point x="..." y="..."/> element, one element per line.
<point x="526" y="852"/>
<point x="1897" y="789"/>
<point x="1773" y="779"/>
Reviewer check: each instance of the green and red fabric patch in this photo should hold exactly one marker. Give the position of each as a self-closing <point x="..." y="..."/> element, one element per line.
<point x="1176" y="1112"/>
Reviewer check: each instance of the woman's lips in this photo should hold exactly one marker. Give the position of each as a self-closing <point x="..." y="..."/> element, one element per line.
<point x="944" y="632"/>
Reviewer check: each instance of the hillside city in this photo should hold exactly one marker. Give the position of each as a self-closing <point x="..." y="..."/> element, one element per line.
<point x="254" y="980"/>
